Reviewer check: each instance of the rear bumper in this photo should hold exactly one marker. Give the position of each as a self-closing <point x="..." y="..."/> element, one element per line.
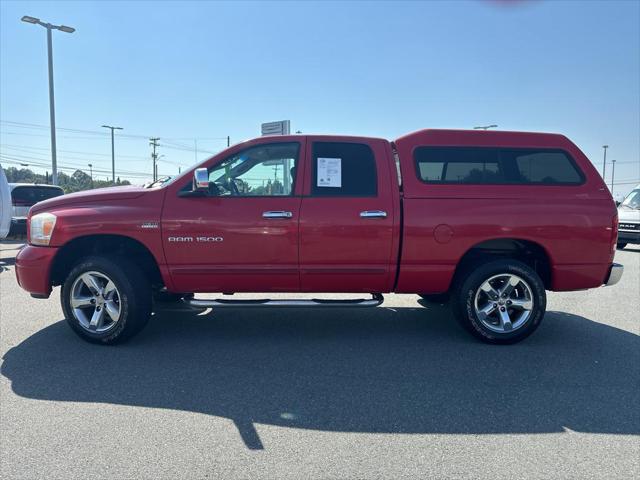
<point x="628" y="237"/>
<point x="33" y="269"/>
<point x="615" y="274"/>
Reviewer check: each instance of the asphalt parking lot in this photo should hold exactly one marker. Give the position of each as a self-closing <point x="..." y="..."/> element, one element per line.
<point x="393" y="392"/>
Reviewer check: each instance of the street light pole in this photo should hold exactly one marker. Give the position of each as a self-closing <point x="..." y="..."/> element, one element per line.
<point x="604" y="163"/>
<point x="113" y="158"/>
<point x="52" y="109"/>
<point x="613" y="174"/>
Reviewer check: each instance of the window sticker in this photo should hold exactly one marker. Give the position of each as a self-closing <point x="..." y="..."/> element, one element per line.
<point x="329" y="172"/>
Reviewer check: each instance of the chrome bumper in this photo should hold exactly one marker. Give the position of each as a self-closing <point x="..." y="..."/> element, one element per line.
<point x="615" y="274"/>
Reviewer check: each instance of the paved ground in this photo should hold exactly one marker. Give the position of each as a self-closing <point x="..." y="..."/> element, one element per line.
<point x="394" y="392"/>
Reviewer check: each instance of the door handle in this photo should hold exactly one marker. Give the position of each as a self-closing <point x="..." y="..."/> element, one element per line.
<point x="277" y="214"/>
<point x="373" y="214"/>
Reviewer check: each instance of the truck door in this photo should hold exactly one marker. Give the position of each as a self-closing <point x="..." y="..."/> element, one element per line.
<point x="347" y="217"/>
<point x="242" y="236"/>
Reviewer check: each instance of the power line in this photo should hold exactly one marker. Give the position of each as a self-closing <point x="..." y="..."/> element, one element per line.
<point x="25" y="147"/>
<point x="39" y="162"/>
<point x="95" y="132"/>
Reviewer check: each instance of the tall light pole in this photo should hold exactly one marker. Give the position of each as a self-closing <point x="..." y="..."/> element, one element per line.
<point x="113" y="158"/>
<point x="52" y="109"/>
<point x="604" y="163"/>
<point x="613" y="174"/>
<point x="485" y="127"/>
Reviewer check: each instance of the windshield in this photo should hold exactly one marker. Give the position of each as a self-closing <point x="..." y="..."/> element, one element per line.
<point x="632" y="200"/>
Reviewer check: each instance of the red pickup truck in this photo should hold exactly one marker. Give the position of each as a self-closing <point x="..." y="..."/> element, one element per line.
<point x="491" y="219"/>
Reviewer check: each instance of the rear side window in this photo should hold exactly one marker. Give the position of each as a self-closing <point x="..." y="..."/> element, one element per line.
<point x="343" y="170"/>
<point x="29" y="196"/>
<point x="543" y="167"/>
<point x="458" y="165"/>
<point x="469" y="165"/>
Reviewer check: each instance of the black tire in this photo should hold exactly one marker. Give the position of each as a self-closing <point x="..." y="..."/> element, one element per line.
<point x="435" y="297"/>
<point x="468" y="284"/>
<point x="620" y="246"/>
<point x="134" y="298"/>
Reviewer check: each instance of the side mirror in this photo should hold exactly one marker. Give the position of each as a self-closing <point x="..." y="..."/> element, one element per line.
<point x="200" y="180"/>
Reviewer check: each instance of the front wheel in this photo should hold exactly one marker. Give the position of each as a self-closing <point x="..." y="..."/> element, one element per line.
<point x="106" y="299"/>
<point x="500" y="302"/>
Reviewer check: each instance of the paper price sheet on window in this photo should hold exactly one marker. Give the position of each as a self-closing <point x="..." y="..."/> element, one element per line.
<point x="329" y="172"/>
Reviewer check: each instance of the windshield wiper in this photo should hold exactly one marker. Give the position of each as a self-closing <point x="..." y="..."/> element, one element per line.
<point x="160" y="181"/>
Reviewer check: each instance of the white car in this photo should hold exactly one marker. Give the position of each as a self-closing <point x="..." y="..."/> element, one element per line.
<point x="5" y="205"/>
<point x="23" y="197"/>
<point x="629" y="219"/>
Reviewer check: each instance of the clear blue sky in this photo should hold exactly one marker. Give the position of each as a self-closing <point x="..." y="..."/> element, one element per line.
<point x="203" y="70"/>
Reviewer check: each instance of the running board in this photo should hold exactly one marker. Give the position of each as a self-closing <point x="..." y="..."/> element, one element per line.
<point x="376" y="299"/>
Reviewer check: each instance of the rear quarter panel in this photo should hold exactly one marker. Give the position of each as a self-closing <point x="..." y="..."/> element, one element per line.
<point x="573" y="224"/>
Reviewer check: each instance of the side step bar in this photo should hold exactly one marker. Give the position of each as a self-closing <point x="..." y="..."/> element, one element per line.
<point x="375" y="300"/>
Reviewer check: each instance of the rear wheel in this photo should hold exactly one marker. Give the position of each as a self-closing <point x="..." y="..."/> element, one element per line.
<point x="106" y="299"/>
<point x="500" y="302"/>
<point x="620" y="246"/>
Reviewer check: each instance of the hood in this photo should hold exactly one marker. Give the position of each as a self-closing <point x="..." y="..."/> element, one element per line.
<point x="628" y="215"/>
<point x="98" y="195"/>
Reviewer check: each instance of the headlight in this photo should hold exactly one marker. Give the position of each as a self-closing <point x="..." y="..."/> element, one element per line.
<point x="41" y="228"/>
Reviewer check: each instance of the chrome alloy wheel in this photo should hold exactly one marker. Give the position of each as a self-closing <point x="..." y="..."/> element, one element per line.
<point x="504" y="303"/>
<point x="95" y="302"/>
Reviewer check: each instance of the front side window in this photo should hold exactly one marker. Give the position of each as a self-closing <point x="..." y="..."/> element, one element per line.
<point x="263" y="170"/>
<point x="342" y="169"/>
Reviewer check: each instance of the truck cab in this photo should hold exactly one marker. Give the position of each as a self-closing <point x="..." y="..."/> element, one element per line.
<point x="490" y="219"/>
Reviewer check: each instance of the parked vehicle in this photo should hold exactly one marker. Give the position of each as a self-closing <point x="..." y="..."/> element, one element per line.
<point x="629" y="219"/>
<point x="493" y="219"/>
<point x="5" y="205"/>
<point x="23" y="197"/>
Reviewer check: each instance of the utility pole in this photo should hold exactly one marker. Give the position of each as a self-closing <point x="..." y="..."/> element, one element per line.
<point x="613" y="174"/>
<point x="52" y="108"/>
<point x="113" y="158"/>
<point x="91" y="173"/>
<point x="154" y="156"/>
<point x="604" y="163"/>
<point x="228" y="140"/>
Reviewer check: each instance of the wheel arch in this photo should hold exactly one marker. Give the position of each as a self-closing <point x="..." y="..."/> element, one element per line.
<point x="527" y="251"/>
<point x="100" y="244"/>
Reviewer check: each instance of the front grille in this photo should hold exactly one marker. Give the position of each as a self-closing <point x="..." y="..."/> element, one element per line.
<point x="628" y="226"/>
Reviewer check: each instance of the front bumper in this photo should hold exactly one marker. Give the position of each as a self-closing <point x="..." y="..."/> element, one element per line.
<point x="33" y="269"/>
<point x="625" y="236"/>
<point x="615" y="274"/>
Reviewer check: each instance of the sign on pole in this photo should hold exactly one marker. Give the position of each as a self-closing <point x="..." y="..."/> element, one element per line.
<point x="276" y="128"/>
